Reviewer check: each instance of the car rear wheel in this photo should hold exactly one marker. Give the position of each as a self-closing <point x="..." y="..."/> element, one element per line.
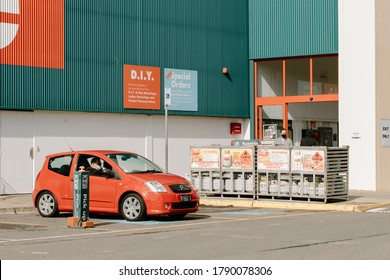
<point x="47" y="205"/>
<point x="133" y="207"/>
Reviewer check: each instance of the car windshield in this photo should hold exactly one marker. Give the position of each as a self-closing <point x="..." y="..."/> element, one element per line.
<point x="134" y="164"/>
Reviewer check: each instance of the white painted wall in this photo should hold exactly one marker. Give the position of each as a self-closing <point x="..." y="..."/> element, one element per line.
<point x="357" y="89"/>
<point x="53" y="132"/>
<point x="16" y="140"/>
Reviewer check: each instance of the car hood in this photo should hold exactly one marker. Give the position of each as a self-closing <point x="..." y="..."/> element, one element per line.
<point x="162" y="178"/>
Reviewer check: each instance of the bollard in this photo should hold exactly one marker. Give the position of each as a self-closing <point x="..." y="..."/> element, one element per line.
<point x="80" y="200"/>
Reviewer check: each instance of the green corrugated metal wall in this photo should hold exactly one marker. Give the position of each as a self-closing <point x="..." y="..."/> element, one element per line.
<point x="284" y="28"/>
<point x="102" y="35"/>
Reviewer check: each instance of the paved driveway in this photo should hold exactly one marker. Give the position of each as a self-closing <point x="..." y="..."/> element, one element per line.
<point x="213" y="233"/>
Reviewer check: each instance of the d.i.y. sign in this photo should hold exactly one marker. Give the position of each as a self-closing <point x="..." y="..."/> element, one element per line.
<point x="141" y="87"/>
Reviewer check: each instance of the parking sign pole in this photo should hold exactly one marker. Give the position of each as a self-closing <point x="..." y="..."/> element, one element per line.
<point x="166" y="138"/>
<point x="167" y="102"/>
<point x="80" y="200"/>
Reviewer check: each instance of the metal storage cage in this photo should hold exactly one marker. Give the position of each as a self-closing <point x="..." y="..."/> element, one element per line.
<point x="311" y="173"/>
<point x="337" y="173"/>
<point x="238" y="170"/>
<point x="273" y="171"/>
<point x="205" y="169"/>
<point x="308" y="170"/>
<point x="319" y="173"/>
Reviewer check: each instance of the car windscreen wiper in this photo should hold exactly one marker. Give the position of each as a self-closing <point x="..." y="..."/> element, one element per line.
<point x="145" y="171"/>
<point x="153" y="171"/>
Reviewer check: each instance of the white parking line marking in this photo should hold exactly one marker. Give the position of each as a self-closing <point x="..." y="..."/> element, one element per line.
<point x="6" y="239"/>
<point x="145" y="223"/>
<point x="255" y="213"/>
<point x="378" y="210"/>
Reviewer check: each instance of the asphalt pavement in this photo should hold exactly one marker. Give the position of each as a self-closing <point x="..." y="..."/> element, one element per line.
<point x="357" y="201"/>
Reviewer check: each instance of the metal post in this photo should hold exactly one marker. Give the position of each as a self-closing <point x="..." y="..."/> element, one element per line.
<point x="166" y="138"/>
<point x="80" y="200"/>
<point x="81" y="195"/>
<point x="167" y="102"/>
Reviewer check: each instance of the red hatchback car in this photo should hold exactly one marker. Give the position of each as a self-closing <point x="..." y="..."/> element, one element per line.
<point x="121" y="182"/>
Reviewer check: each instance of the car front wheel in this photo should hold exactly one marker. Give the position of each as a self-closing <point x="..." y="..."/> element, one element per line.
<point x="133" y="207"/>
<point x="47" y="205"/>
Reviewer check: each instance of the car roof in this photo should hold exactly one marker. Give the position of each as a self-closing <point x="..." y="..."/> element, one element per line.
<point x="97" y="152"/>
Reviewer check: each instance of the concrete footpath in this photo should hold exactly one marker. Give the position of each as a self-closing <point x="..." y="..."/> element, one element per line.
<point x="358" y="201"/>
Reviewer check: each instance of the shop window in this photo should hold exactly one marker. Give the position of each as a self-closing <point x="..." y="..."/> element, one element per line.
<point x="281" y="83"/>
<point x="270" y="78"/>
<point x="298" y="77"/>
<point x="325" y="73"/>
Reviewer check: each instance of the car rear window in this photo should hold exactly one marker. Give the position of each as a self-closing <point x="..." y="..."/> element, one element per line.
<point x="61" y="164"/>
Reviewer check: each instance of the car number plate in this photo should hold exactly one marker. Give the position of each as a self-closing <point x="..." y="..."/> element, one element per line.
<point x="185" y="198"/>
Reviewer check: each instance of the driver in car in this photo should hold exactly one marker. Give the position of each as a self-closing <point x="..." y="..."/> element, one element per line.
<point x="96" y="169"/>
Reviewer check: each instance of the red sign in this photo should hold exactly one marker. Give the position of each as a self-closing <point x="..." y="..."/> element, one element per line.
<point x="235" y="128"/>
<point x="141" y="87"/>
<point x="32" y="33"/>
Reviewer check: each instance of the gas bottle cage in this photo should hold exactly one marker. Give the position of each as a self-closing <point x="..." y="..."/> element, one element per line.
<point x="271" y="172"/>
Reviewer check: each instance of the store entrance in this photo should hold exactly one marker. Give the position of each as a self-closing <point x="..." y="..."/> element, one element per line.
<point x="299" y="93"/>
<point x="321" y="118"/>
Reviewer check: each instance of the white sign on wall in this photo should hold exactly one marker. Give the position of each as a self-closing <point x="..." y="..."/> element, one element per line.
<point x="183" y="87"/>
<point x="385" y="133"/>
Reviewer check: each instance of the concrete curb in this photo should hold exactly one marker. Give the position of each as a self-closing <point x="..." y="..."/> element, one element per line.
<point x="249" y="203"/>
<point x="17" y="210"/>
<point x="290" y="205"/>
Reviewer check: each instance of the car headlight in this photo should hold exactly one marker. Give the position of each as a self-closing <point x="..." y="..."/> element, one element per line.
<point x="155" y="186"/>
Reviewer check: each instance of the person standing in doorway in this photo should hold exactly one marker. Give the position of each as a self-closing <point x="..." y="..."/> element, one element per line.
<point x="283" y="140"/>
<point x="309" y="139"/>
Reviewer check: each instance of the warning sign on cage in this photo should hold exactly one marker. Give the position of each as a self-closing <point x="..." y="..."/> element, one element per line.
<point x="307" y="160"/>
<point x="317" y="158"/>
<point x="237" y="158"/>
<point x="205" y="158"/>
<point x="273" y="159"/>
